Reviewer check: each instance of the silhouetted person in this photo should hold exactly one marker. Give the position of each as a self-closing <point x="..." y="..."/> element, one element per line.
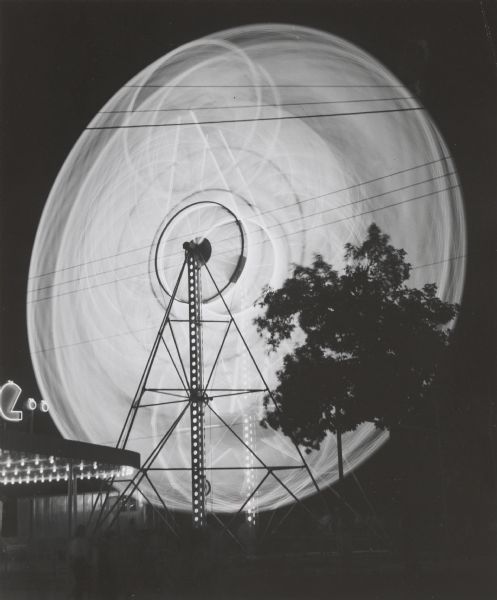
<point x="79" y="559"/>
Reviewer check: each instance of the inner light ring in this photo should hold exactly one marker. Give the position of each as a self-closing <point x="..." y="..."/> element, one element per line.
<point x="239" y="264"/>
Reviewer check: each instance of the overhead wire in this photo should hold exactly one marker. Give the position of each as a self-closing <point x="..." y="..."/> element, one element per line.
<point x="319" y="225"/>
<point x="253" y="119"/>
<point x="345" y="189"/>
<point x="262" y="213"/>
<point x="236" y="106"/>
<point x="255" y="85"/>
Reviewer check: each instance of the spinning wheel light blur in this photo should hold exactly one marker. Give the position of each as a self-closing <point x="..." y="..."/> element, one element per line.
<point x="275" y="142"/>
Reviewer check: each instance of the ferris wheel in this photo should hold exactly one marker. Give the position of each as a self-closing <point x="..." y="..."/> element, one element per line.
<point x="266" y="144"/>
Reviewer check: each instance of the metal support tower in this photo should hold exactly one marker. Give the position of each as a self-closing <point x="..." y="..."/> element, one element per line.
<point x="199" y="398"/>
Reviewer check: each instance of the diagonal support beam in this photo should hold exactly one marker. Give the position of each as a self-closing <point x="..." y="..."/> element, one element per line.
<point x="130" y="418"/>
<point x="164" y="506"/>
<point x="183" y="381"/>
<point x="173" y="335"/>
<point x="158" y="513"/>
<point x="138" y="477"/>
<point x="283" y="485"/>
<point x="218" y="354"/>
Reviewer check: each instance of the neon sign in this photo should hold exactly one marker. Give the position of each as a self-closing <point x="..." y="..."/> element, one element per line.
<point x="9" y="395"/>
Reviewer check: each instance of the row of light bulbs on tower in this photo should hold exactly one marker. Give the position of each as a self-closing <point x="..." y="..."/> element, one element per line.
<point x="249" y="438"/>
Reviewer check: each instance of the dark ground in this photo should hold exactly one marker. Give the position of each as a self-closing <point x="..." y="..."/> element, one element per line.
<point x="367" y="577"/>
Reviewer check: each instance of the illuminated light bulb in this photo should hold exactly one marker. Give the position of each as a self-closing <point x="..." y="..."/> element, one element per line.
<point x="66" y="477"/>
<point x="49" y="478"/>
<point x="58" y="477"/>
<point x="9" y="463"/>
<point x="35" y="478"/>
<point x="3" y="472"/>
<point x="37" y="460"/>
<point x="81" y="465"/>
<point x="16" y="471"/>
<point x="23" y="462"/>
<point x="41" y="469"/>
<point x="42" y="478"/>
<point x="5" y="481"/>
<point x="95" y="466"/>
<point x="28" y="470"/>
<point x="67" y="467"/>
<point x="13" y="480"/>
<point x="54" y="469"/>
<point x="51" y="459"/>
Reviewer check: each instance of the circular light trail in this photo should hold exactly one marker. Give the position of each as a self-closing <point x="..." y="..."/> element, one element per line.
<point x="199" y="220"/>
<point x="275" y="142"/>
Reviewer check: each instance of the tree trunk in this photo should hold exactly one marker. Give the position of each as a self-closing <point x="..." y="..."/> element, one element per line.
<point x="341" y="489"/>
<point x="340" y="456"/>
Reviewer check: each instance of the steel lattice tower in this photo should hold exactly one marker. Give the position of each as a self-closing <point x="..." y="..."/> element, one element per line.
<point x="197" y="402"/>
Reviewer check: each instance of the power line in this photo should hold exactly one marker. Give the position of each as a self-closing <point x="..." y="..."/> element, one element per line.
<point x="439" y="262"/>
<point x="325" y="224"/>
<point x="277" y="85"/>
<point x="332" y="208"/>
<point x="91" y="341"/>
<point x="100" y="339"/>
<point x="253" y="119"/>
<point x="366" y="212"/>
<point x="88" y="262"/>
<point x="90" y="287"/>
<point x="299" y="218"/>
<point x="234" y="106"/>
<point x="345" y="189"/>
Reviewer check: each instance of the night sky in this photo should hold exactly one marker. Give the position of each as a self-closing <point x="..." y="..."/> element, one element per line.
<point x="60" y="61"/>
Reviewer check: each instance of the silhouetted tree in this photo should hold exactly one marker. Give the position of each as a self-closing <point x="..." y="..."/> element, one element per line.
<point x="371" y="345"/>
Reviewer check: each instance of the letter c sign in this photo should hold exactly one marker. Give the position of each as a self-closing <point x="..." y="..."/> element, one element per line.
<point x="9" y="394"/>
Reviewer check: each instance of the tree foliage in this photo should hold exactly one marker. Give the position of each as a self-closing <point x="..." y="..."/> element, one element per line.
<point x="372" y="344"/>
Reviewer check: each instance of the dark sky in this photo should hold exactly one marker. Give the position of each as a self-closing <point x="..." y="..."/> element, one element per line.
<point x="60" y="61"/>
